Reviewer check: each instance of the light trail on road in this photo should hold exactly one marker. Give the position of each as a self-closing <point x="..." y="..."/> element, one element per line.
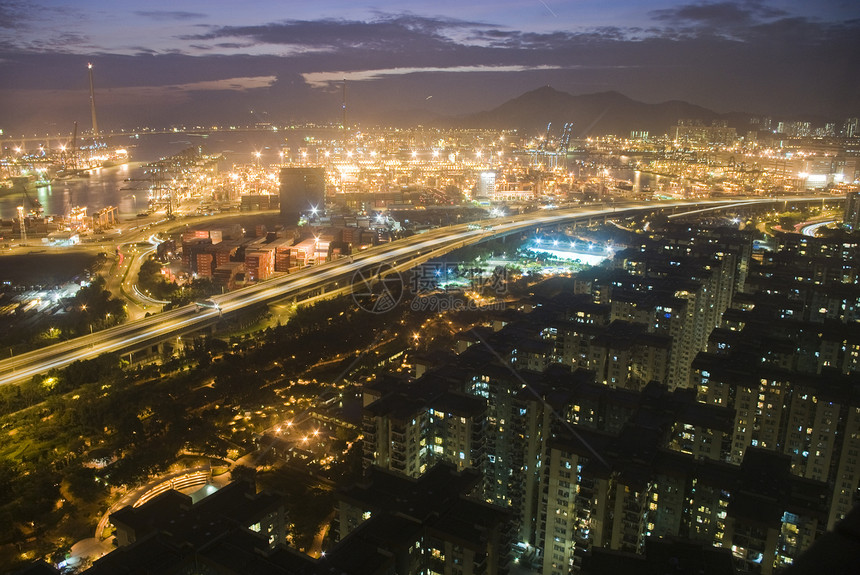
<point x="812" y="229"/>
<point x="148" y="331"/>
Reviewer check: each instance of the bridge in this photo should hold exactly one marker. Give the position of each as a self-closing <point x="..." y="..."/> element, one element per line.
<point x="332" y="276"/>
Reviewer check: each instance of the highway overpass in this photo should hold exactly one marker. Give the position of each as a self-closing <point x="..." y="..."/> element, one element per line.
<point x="400" y="255"/>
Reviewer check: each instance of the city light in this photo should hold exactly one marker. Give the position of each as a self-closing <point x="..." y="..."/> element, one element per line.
<point x="312" y="319"/>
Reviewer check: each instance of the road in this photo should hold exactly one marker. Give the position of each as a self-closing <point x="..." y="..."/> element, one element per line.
<point x="811" y="229"/>
<point x="135" y="239"/>
<point x="123" y="279"/>
<point x="138" y="243"/>
<point x="402" y="254"/>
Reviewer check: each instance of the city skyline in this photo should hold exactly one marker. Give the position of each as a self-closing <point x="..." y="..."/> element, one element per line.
<point x="531" y="286"/>
<point x="211" y="62"/>
<point x="602" y="347"/>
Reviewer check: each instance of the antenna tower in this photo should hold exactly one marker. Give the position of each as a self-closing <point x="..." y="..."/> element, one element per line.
<point x="93" y="102"/>
<point x="343" y="105"/>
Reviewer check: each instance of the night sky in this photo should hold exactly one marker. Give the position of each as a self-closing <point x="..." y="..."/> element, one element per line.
<point x="208" y="61"/>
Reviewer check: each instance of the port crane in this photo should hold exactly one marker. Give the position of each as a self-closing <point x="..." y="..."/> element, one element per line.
<point x="542" y="152"/>
<point x="545" y="141"/>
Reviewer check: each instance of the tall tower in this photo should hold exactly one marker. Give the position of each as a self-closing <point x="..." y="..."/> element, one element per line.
<point x="22" y="223"/>
<point x="343" y="105"/>
<point x="93" y="102"/>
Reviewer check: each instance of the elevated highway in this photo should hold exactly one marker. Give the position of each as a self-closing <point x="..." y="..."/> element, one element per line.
<point x="400" y="255"/>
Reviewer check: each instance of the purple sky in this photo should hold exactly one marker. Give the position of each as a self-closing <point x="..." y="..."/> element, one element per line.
<point x="212" y="62"/>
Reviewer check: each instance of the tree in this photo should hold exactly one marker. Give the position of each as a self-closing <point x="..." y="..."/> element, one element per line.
<point x="82" y="483"/>
<point x="94" y="308"/>
<point x="151" y="280"/>
<point x="8" y="475"/>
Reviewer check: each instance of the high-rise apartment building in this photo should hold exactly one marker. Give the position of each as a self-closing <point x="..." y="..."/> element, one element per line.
<point x="302" y="191"/>
<point x="409" y="433"/>
<point x="851" y="217"/>
<point x="424" y="525"/>
<point x="849" y="128"/>
<point x="687" y="390"/>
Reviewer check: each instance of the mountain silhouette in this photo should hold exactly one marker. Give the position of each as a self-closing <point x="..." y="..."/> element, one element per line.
<point x="596" y="114"/>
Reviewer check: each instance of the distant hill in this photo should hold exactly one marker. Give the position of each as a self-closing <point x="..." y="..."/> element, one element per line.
<point x="592" y="114"/>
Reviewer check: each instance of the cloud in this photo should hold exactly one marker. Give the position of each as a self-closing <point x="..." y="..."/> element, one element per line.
<point x="14" y="14"/>
<point x="163" y="15"/>
<point x="730" y="19"/>
<point x="390" y="41"/>
<point x="718" y="13"/>
<point x="384" y="32"/>
<point x="27" y="15"/>
<point x="236" y="84"/>
<point x="234" y="45"/>
<point x="701" y="52"/>
<point x="241" y="84"/>
<point x="64" y="40"/>
<point x="325" y="79"/>
<point x="143" y="50"/>
<point x="511" y="40"/>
